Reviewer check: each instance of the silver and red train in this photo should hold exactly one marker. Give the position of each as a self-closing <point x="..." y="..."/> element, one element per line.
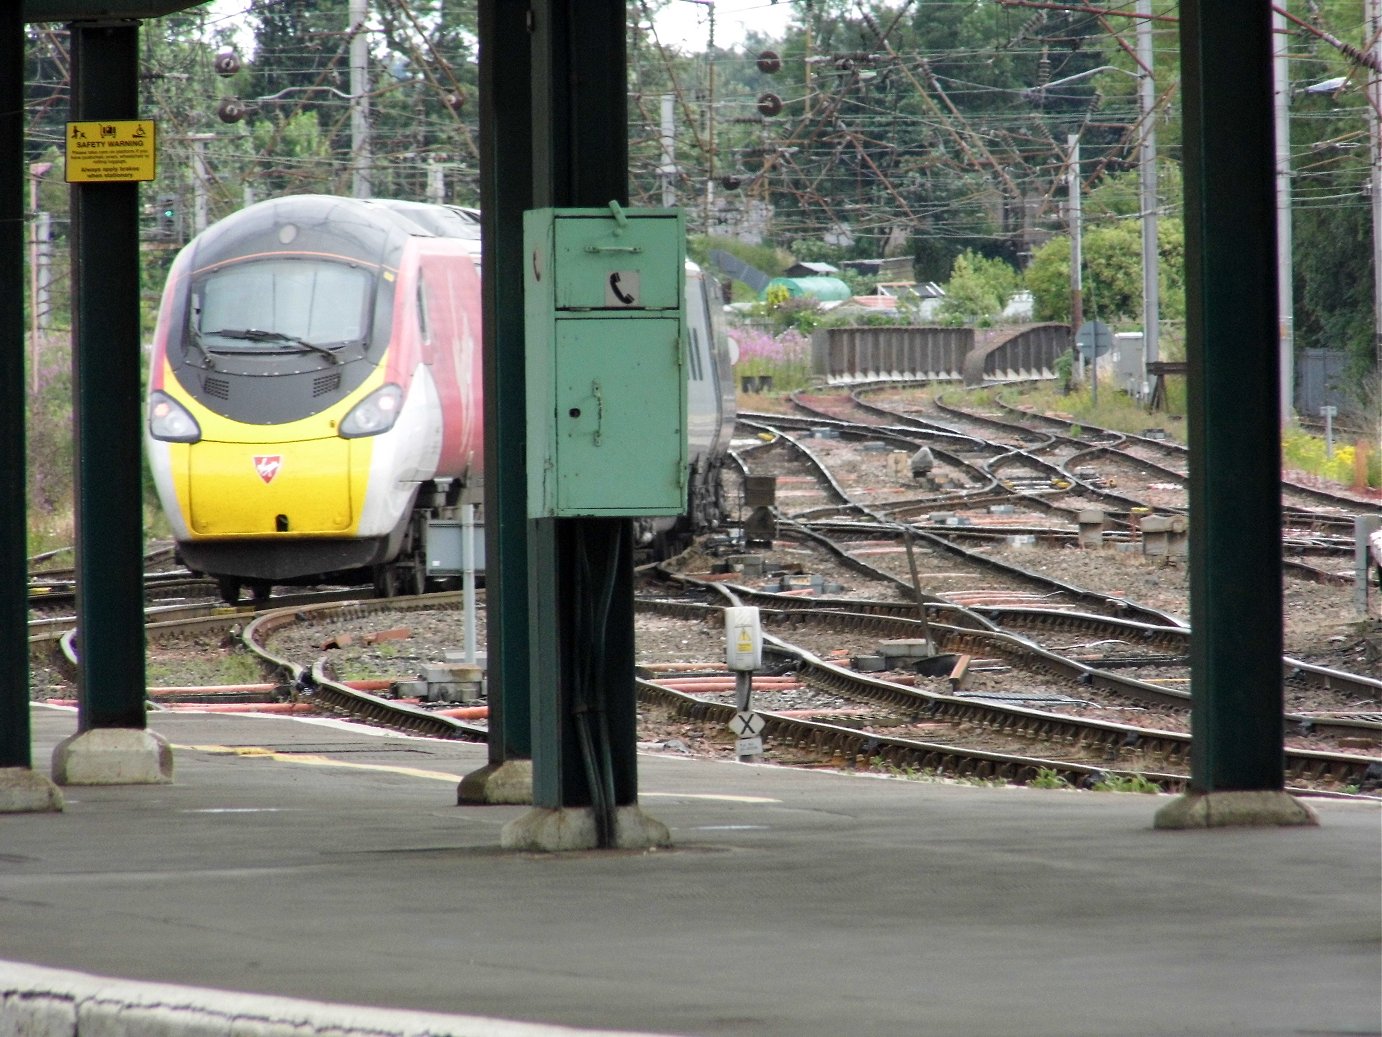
<point x="315" y="410"/>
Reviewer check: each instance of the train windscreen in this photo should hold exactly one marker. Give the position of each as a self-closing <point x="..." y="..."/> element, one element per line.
<point x="279" y="305"/>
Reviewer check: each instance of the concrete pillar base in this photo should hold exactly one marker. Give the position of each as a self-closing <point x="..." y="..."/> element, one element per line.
<point x="508" y="782"/>
<point x="573" y="828"/>
<point x="22" y="791"/>
<point x="113" y="756"/>
<point x="1253" y="808"/>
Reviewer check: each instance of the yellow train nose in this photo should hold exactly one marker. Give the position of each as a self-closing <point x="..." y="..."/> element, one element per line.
<point x="249" y="489"/>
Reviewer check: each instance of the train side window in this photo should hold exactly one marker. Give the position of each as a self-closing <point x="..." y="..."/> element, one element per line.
<point x="423" y="321"/>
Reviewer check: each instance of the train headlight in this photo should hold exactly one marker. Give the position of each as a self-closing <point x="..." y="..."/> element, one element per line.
<point x="170" y="421"/>
<point x="376" y="413"/>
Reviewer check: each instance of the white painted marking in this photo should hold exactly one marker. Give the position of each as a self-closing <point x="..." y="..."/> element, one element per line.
<point x="709" y="796"/>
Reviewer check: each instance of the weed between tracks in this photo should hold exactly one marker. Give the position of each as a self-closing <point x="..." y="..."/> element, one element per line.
<point x="1046" y="778"/>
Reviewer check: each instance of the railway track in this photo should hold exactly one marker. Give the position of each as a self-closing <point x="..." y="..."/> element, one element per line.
<point x="1012" y="619"/>
<point x="1061" y="474"/>
<point x="1090" y="750"/>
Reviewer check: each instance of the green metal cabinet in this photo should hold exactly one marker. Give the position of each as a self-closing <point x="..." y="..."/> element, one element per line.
<point x="606" y="386"/>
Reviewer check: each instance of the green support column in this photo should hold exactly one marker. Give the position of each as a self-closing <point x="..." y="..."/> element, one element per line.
<point x="14" y="678"/>
<point x="1235" y="456"/>
<point x="113" y="745"/>
<point x="20" y="788"/>
<point x="506" y="189"/>
<point x="580" y="570"/>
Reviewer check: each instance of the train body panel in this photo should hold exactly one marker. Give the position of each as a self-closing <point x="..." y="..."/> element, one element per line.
<point x="315" y="390"/>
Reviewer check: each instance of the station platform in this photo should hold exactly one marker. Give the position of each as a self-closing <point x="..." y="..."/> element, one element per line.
<point x="312" y="877"/>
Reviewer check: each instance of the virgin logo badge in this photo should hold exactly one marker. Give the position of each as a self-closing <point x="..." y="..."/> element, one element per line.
<point x="267" y="466"/>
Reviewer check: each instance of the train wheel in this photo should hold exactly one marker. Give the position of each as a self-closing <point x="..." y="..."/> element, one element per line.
<point x="385" y="581"/>
<point x="228" y="587"/>
<point x="261" y="592"/>
<point x="415" y="575"/>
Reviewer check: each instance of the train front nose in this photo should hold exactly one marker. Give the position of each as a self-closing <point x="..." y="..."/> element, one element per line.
<point x="244" y="489"/>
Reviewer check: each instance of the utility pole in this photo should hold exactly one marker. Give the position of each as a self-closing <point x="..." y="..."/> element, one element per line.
<point x="1077" y="262"/>
<point x="436" y="181"/>
<point x="710" y="122"/>
<point x="668" y="168"/>
<point x="1072" y="180"/>
<point x="38" y="268"/>
<point x="361" y="185"/>
<point x="1285" y="303"/>
<point x="1374" y="27"/>
<point x="1150" y="205"/>
<point x="201" y="210"/>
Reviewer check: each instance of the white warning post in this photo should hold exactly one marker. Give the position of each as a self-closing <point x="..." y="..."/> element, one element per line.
<point x="743" y="655"/>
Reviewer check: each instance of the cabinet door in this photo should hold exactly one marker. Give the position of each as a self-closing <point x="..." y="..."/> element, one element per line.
<point x="620" y="418"/>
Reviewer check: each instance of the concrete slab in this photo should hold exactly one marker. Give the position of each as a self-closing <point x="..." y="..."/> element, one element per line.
<point x="508" y="782"/>
<point x="38" y="1002"/>
<point x="330" y="863"/>
<point x="23" y="791"/>
<point x="556" y="831"/>
<point x="1225" y="809"/>
<point x="113" y="756"/>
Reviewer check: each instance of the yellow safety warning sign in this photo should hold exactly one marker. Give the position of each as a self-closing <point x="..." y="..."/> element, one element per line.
<point x="111" y="152"/>
<point x="745" y="640"/>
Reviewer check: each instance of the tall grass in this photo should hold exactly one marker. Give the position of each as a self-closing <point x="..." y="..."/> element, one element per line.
<point x="49" y="446"/>
<point x="1113" y="409"/>
<point x="785" y="357"/>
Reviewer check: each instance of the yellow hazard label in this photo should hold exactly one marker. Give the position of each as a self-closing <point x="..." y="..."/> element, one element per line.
<point x="745" y="640"/>
<point x="105" y="152"/>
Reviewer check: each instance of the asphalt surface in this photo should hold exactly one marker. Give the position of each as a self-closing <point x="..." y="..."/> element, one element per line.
<point x="325" y="862"/>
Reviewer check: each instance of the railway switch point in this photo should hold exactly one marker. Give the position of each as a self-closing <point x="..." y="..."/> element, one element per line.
<point x="24" y="792"/>
<point x="1249" y="808"/>
<point x="549" y="830"/>
<point x="113" y="756"/>
<point x="509" y="783"/>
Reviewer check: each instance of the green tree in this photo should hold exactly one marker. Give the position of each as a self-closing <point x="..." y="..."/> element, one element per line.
<point x="1333" y="253"/>
<point x="978" y="289"/>
<point x="1112" y="273"/>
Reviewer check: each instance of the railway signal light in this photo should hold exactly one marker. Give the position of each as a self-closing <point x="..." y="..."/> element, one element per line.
<point x="168" y="219"/>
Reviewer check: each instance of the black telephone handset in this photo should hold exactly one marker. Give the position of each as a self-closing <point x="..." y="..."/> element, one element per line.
<point x="623" y="297"/>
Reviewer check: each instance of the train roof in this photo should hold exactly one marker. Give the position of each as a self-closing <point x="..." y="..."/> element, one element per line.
<point x="444" y="221"/>
<point x="374" y="230"/>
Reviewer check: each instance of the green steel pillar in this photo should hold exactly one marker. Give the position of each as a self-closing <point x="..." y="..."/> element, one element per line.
<point x="505" y="191"/>
<point x="14" y="626"/>
<point x="1235" y="435"/>
<point x="582" y="582"/>
<point x="108" y="405"/>
<point x="580" y="588"/>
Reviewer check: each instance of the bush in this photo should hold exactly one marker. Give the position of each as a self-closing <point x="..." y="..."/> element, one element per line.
<point x="1306" y="453"/>
<point x="786" y="357"/>
<point x="49" y="431"/>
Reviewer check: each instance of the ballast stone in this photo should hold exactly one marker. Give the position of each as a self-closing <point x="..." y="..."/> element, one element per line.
<point x="113" y="756"/>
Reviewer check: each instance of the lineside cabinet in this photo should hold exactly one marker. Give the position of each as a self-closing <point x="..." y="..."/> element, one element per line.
<point x="606" y="386"/>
